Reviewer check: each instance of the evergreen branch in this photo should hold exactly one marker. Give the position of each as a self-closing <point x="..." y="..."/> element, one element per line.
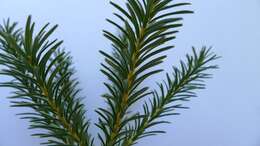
<point x="43" y="81"/>
<point x="147" y="27"/>
<point x="176" y="89"/>
<point x="43" y="77"/>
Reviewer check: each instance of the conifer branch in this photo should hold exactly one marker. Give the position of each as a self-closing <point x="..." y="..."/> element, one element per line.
<point x="43" y="81"/>
<point x="176" y="89"/>
<point x="147" y="26"/>
<point x="43" y="77"/>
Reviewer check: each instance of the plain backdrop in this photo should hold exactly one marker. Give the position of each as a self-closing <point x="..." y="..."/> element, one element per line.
<point x="227" y="113"/>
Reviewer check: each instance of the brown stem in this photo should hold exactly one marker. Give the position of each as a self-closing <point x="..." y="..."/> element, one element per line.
<point x="65" y="124"/>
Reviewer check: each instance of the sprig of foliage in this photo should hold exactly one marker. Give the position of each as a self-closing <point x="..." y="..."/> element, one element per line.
<point x="147" y="27"/>
<point x="177" y="88"/>
<point x="43" y="81"/>
<point x="43" y="77"/>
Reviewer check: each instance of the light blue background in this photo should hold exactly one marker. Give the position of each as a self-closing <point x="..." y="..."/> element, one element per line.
<point x="227" y="113"/>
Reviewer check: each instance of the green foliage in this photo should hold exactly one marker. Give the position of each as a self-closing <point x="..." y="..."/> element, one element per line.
<point x="146" y="28"/>
<point x="43" y="81"/>
<point x="175" y="89"/>
<point x="43" y="77"/>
